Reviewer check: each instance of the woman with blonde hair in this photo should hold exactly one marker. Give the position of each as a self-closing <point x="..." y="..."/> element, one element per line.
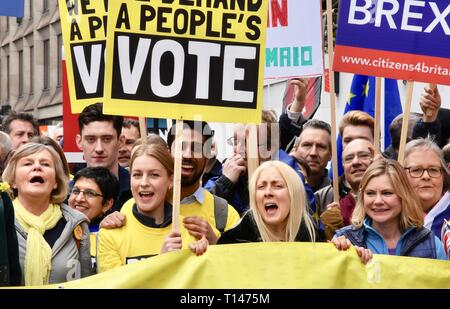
<point x="53" y="238"/>
<point x="278" y="208"/>
<point x="388" y="218"/>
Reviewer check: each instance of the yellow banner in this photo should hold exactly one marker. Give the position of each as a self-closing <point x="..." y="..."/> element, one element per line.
<point x="190" y="60"/>
<point x="272" y="265"/>
<point x="83" y="25"/>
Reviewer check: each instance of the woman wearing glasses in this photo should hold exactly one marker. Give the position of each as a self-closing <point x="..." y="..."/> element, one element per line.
<point x="430" y="179"/>
<point x="388" y="218"/>
<point x="95" y="189"/>
<point x="53" y="238"/>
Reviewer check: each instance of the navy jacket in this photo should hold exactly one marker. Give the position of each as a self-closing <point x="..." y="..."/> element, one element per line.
<point x="418" y="242"/>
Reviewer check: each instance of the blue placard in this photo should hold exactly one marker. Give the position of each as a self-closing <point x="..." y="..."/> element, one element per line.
<point x="12" y="8"/>
<point x="399" y="39"/>
<point x="416" y="27"/>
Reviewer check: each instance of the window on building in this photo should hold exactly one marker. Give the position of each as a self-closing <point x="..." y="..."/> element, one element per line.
<point x="1" y="74"/>
<point x="46" y="64"/>
<point x="44" y="5"/>
<point x="31" y="69"/>
<point x="31" y="9"/>
<point x="59" y="64"/>
<point x="21" y="73"/>
<point x="7" y="24"/>
<point x="7" y="80"/>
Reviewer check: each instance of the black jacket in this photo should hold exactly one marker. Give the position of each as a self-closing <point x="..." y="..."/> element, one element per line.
<point x="289" y="129"/>
<point x="10" y="272"/>
<point x="247" y="231"/>
<point x="439" y="130"/>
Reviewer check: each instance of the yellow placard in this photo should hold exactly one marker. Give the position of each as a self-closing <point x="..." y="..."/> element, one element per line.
<point x="272" y="265"/>
<point x="83" y="25"/>
<point x="191" y="60"/>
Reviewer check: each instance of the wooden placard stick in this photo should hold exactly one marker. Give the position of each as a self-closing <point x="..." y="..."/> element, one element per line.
<point x="377" y="134"/>
<point x="143" y="129"/>
<point x="332" y="102"/>
<point x="405" y="121"/>
<point x="177" y="176"/>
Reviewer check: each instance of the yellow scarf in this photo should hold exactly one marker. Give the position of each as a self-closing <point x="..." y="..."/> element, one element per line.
<point x="38" y="256"/>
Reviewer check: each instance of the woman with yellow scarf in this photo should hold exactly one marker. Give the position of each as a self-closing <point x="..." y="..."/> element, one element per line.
<point x="53" y="238"/>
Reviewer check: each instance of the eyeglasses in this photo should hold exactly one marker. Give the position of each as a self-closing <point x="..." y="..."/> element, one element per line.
<point x="362" y="155"/>
<point x="416" y="172"/>
<point x="87" y="193"/>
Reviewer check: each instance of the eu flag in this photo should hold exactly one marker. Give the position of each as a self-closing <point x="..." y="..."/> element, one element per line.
<point x="362" y="97"/>
<point x="11" y="8"/>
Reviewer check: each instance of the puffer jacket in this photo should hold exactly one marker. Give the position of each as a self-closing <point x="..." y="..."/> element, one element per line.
<point x="68" y="261"/>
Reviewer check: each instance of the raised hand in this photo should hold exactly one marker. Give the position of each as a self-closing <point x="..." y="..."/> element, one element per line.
<point x="299" y="94"/>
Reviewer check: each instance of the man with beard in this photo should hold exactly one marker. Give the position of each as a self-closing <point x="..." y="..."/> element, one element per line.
<point x="356" y="158"/>
<point x="197" y="204"/>
<point x="205" y="213"/>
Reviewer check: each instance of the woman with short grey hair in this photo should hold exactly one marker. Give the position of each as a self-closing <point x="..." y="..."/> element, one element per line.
<point x="53" y="238"/>
<point x="430" y="179"/>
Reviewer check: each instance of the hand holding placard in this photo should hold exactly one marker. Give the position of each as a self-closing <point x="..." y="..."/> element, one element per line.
<point x="430" y="102"/>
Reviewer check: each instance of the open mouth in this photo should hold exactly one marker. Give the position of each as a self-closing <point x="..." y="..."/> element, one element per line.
<point x="379" y="210"/>
<point x="271" y="208"/>
<point x="37" y="179"/>
<point x="146" y="194"/>
<point x="186" y="169"/>
<point x="188" y="164"/>
<point x="80" y="207"/>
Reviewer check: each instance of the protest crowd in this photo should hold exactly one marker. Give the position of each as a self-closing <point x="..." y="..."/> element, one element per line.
<point x="61" y="221"/>
<point x="51" y="211"/>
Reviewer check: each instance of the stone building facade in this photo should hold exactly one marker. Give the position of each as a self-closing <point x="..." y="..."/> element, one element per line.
<point x="30" y="62"/>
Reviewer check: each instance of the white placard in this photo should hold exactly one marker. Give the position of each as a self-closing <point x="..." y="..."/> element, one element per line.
<point x="294" y="39"/>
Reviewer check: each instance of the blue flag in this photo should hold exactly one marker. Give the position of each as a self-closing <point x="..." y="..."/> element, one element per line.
<point x="392" y="107"/>
<point x="11" y="8"/>
<point x="362" y="97"/>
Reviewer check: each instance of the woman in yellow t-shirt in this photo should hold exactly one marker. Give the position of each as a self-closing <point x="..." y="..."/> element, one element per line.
<point x="148" y="231"/>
